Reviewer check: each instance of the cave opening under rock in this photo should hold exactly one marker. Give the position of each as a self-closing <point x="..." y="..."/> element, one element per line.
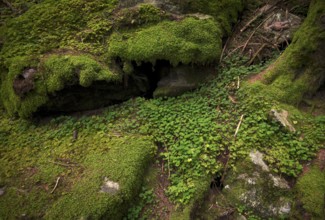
<point x="75" y="98"/>
<point x="148" y="80"/>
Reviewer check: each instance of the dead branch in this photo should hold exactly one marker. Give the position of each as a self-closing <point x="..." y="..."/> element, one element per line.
<point x="238" y="126"/>
<point x="256" y="54"/>
<point x="232" y="99"/>
<point x="261" y="11"/>
<point x="238" y="82"/>
<point x="64" y="164"/>
<point x="224" y="49"/>
<point x="270" y="43"/>
<point x="56" y="184"/>
<point x="252" y="34"/>
<point x="237" y="48"/>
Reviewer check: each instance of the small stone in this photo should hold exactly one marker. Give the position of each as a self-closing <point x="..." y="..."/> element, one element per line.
<point x="241" y="217"/>
<point x="279" y="182"/>
<point x="282" y="117"/>
<point x="109" y="187"/>
<point x="257" y="158"/>
<point x="2" y="191"/>
<point x="285" y="209"/>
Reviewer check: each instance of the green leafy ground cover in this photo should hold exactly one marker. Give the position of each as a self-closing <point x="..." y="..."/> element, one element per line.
<point x="194" y="130"/>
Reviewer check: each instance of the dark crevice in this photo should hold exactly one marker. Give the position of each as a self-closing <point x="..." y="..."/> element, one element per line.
<point x="282" y="46"/>
<point x="216" y="183"/>
<point x="153" y="74"/>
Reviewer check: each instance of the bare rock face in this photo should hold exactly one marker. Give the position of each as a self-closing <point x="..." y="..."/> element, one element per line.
<point x="255" y="187"/>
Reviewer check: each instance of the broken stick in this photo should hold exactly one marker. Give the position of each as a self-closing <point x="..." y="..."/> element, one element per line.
<point x="56" y="184"/>
<point x="256" y="54"/>
<point x="238" y="126"/>
<point x="252" y="34"/>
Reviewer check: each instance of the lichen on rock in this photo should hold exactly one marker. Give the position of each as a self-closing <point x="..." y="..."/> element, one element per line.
<point x="254" y="187"/>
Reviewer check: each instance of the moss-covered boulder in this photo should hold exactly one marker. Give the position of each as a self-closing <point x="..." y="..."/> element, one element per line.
<point x="48" y="173"/>
<point x="253" y="187"/>
<point x="73" y="45"/>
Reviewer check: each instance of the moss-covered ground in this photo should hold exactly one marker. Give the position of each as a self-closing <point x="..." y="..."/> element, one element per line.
<point x="194" y="130"/>
<point x="43" y="153"/>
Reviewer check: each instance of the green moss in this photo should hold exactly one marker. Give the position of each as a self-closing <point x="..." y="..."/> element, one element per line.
<point x="54" y="73"/>
<point x="64" y="69"/>
<point x="311" y="189"/>
<point x="187" y="41"/>
<point x="53" y="24"/>
<point x="225" y="11"/>
<point x="85" y="200"/>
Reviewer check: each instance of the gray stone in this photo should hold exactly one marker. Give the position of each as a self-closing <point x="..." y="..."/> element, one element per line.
<point x="281" y="117"/>
<point x="2" y="191"/>
<point x="109" y="187"/>
<point x="257" y="159"/>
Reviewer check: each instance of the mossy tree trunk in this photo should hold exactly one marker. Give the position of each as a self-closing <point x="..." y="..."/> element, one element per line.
<point x="300" y="71"/>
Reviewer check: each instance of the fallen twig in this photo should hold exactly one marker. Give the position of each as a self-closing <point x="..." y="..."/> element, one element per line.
<point x="255" y="55"/>
<point x="262" y="10"/>
<point x="238" y="82"/>
<point x="56" y="184"/>
<point x="252" y="34"/>
<point x="238" y="126"/>
<point x="270" y="43"/>
<point x="64" y="164"/>
<point x="223" y="50"/>
<point x="232" y="99"/>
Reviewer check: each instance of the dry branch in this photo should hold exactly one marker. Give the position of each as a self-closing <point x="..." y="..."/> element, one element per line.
<point x="252" y="34"/>
<point x="256" y="54"/>
<point x="56" y="184"/>
<point x="264" y="9"/>
<point x="238" y="126"/>
<point x="223" y="50"/>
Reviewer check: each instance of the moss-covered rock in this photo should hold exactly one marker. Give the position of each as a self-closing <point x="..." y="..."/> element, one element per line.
<point x="108" y="42"/>
<point x="188" y="41"/>
<point x="54" y="73"/>
<point x="311" y="192"/>
<point x="252" y="186"/>
<point x="36" y="157"/>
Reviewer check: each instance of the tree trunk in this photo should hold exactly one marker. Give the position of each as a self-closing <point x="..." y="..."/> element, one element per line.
<point x="300" y="71"/>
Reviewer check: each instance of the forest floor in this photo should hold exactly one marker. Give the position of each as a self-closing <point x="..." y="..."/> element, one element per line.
<point x="166" y="154"/>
